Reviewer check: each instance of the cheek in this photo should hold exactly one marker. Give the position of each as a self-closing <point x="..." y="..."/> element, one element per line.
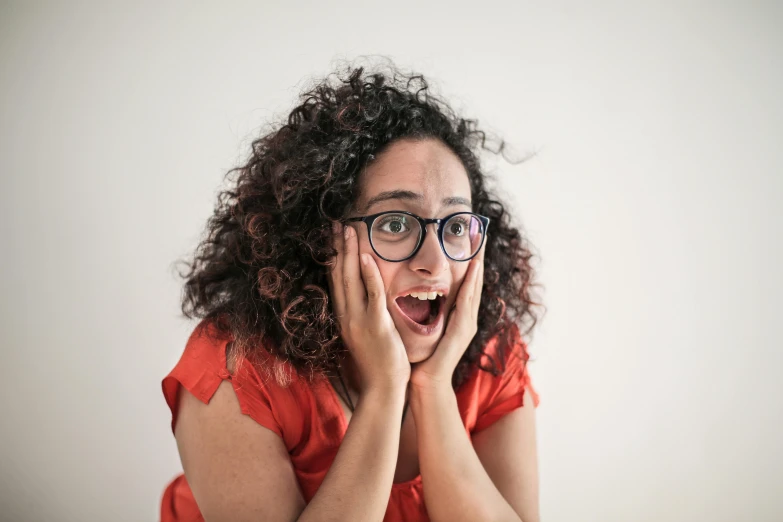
<point x="458" y="273"/>
<point x="388" y="270"/>
<point x="364" y="246"/>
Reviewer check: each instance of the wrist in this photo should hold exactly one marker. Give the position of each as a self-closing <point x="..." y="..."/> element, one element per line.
<point x="430" y="385"/>
<point x="391" y="390"/>
<point x="431" y="397"/>
<point x="429" y="381"/>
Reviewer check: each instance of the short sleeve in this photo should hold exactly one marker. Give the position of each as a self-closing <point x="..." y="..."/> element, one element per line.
<point x="508" y="391"/>
<point x="201" y="369"/>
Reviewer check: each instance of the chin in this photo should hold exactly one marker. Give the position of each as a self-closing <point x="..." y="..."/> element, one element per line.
<point x="418" y="350"/>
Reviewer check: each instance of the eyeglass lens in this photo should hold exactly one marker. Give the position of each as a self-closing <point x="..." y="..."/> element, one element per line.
<point x="395" y="236"/>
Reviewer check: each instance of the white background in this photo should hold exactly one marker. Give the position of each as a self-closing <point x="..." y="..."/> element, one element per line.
<point x="654" y="204"/>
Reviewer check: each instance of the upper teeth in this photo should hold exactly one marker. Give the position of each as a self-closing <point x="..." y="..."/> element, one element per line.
<point x="423" y="296"/>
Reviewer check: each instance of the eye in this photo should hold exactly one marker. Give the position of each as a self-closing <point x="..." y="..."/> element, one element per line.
<point x="393" y="224"/>
<point x="457" y="226"/>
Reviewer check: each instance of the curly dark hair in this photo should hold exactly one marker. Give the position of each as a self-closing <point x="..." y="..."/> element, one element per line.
<point x="260" y="272"/>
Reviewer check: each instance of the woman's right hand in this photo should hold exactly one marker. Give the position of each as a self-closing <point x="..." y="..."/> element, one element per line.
<point x="367" y="329"/>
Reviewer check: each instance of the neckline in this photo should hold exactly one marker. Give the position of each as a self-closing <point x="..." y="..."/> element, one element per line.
<point x="344" y="427"/>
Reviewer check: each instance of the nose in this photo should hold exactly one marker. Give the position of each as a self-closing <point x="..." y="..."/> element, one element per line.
<point x="430" y="258"/>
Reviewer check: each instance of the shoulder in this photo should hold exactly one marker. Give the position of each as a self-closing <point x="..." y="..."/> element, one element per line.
<point x="213" y="352"/>
<point x="268" y="390"/>
<point x="500" y="384"/>
<point x="504" y="353"/>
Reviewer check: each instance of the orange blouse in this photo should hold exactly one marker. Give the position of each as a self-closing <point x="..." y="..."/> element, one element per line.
<point x="309" y="418"/>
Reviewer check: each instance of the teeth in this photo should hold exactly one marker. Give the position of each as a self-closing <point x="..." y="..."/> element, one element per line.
<point x="424" y="296"/>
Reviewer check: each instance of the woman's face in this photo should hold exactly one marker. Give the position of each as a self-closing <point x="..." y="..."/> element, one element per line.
<point x="428" y="179"/>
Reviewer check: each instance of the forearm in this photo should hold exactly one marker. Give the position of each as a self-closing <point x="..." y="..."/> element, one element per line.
<point x="358" y="483"/>
<point x="456" y="486"/>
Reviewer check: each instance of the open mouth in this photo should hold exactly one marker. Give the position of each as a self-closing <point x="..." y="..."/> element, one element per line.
<point x="424" y="312"/>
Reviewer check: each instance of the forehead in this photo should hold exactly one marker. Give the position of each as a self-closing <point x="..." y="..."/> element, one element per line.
<point x="427" y="167"/>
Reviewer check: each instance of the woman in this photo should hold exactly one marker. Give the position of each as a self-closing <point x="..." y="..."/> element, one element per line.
<point x="359" y="355"/>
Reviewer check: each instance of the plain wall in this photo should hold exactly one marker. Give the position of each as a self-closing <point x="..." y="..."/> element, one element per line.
<point x="654" y="205"/>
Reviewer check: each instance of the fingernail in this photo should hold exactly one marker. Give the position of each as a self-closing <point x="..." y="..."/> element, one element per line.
<point x="365" y="259"/>
<point x="347" y="231"/>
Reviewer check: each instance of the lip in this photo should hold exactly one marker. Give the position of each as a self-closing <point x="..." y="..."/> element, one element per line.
<point x="423" y="329"/>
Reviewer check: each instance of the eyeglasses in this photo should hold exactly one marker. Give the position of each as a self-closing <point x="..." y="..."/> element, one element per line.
<point x="397" y="235"/>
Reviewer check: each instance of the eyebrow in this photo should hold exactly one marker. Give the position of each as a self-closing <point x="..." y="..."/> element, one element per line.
<point x="407" y="195"/>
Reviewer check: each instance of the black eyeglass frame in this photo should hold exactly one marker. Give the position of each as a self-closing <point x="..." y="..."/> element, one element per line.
<point x="369" y="220"/>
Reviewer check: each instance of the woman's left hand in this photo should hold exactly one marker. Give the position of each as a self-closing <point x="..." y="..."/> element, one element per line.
<point x="461" y="327"/>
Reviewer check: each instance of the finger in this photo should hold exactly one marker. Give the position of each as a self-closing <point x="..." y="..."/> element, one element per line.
<point x="335" y="274"/>
<point x="451" y="337"/>
<point x="462" y="315"/>
<point x="352" y="281"/>
<point x="373" y="282"/>
<point x="477" y="290"/>
<point x="465" y="296"/>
